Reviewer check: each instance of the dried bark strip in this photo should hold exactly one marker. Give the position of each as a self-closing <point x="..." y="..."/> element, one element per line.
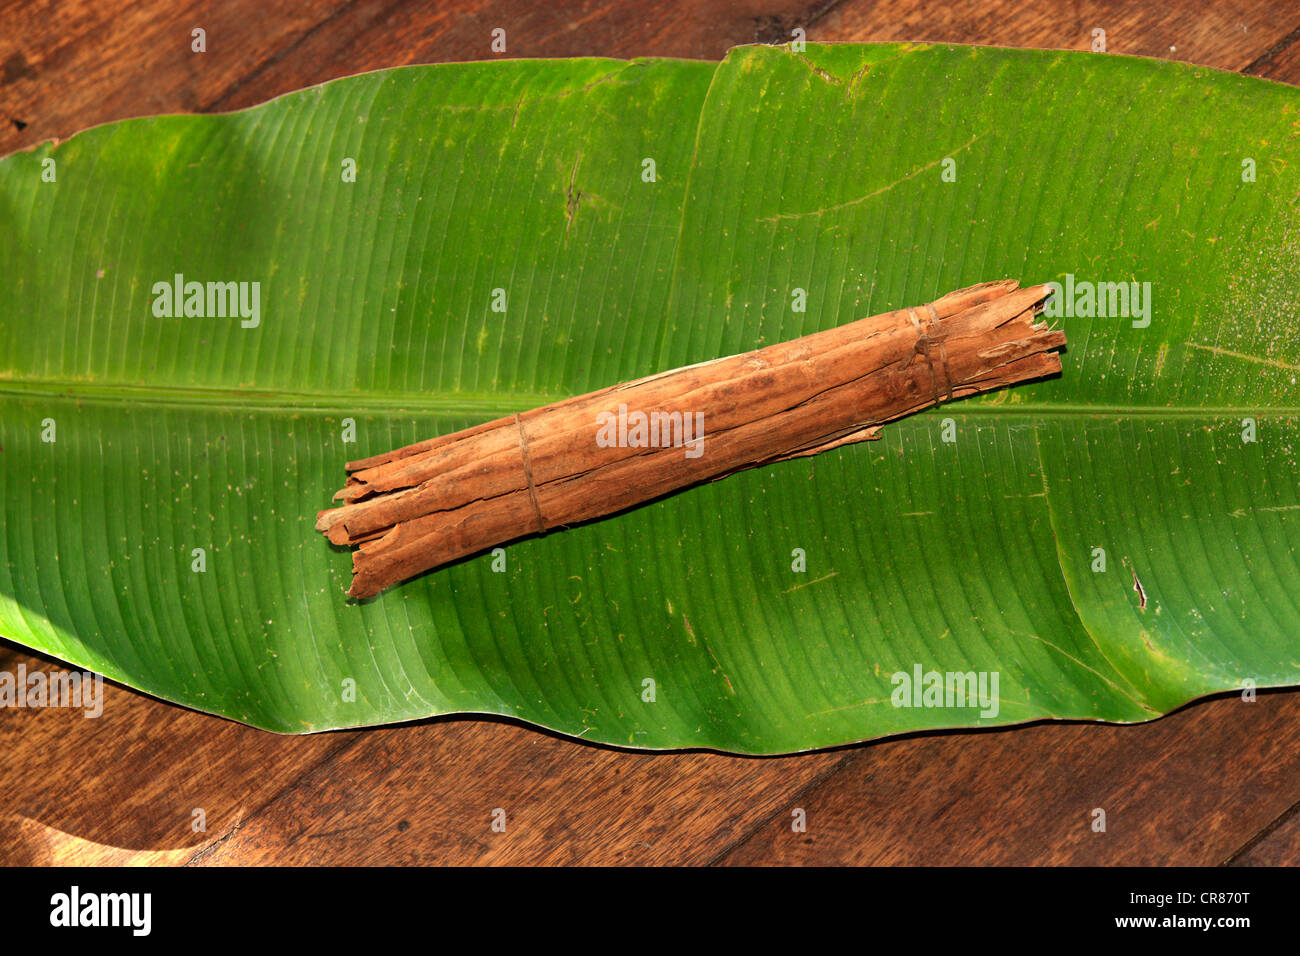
<point x="425" y="505"/>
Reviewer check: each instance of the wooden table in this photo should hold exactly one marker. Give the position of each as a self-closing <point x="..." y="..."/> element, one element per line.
<point x="1216" y="782"/>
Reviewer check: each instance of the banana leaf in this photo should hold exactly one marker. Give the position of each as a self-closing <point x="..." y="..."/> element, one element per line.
<point x="426" y="248"/>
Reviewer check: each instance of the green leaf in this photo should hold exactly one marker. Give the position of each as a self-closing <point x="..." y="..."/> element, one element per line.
<point x="824" y="170"/>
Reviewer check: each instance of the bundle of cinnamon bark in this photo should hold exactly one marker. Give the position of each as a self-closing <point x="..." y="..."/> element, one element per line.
<point x="436" y="501"/>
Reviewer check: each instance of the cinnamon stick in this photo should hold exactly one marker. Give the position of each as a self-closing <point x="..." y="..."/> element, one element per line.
<point x="415" y="508"/>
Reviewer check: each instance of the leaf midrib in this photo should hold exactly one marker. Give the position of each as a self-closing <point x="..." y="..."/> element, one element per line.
<point x="468" y="403"/>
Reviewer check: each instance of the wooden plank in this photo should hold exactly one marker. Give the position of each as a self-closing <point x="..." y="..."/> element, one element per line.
<point x="122" y="788"/>
<point x="1229" y="35"/>
<point x="1191" y="788"/>
<point x="427" y="795"/>
<point x="1279" y="62"/>
<point x="67" y="66"/>
<point x="1276" y="845"/>
<point x="131" y="779"/>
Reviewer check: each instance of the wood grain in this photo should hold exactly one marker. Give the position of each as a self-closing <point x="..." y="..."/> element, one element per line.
<point x="132" y="778"/>
<point x="1216" y="782"/>
<point x="1225" y="35"/>
<point x="123" y="788"/>
<point x="560" y="802"/>
<point x="1186" y="789"/>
